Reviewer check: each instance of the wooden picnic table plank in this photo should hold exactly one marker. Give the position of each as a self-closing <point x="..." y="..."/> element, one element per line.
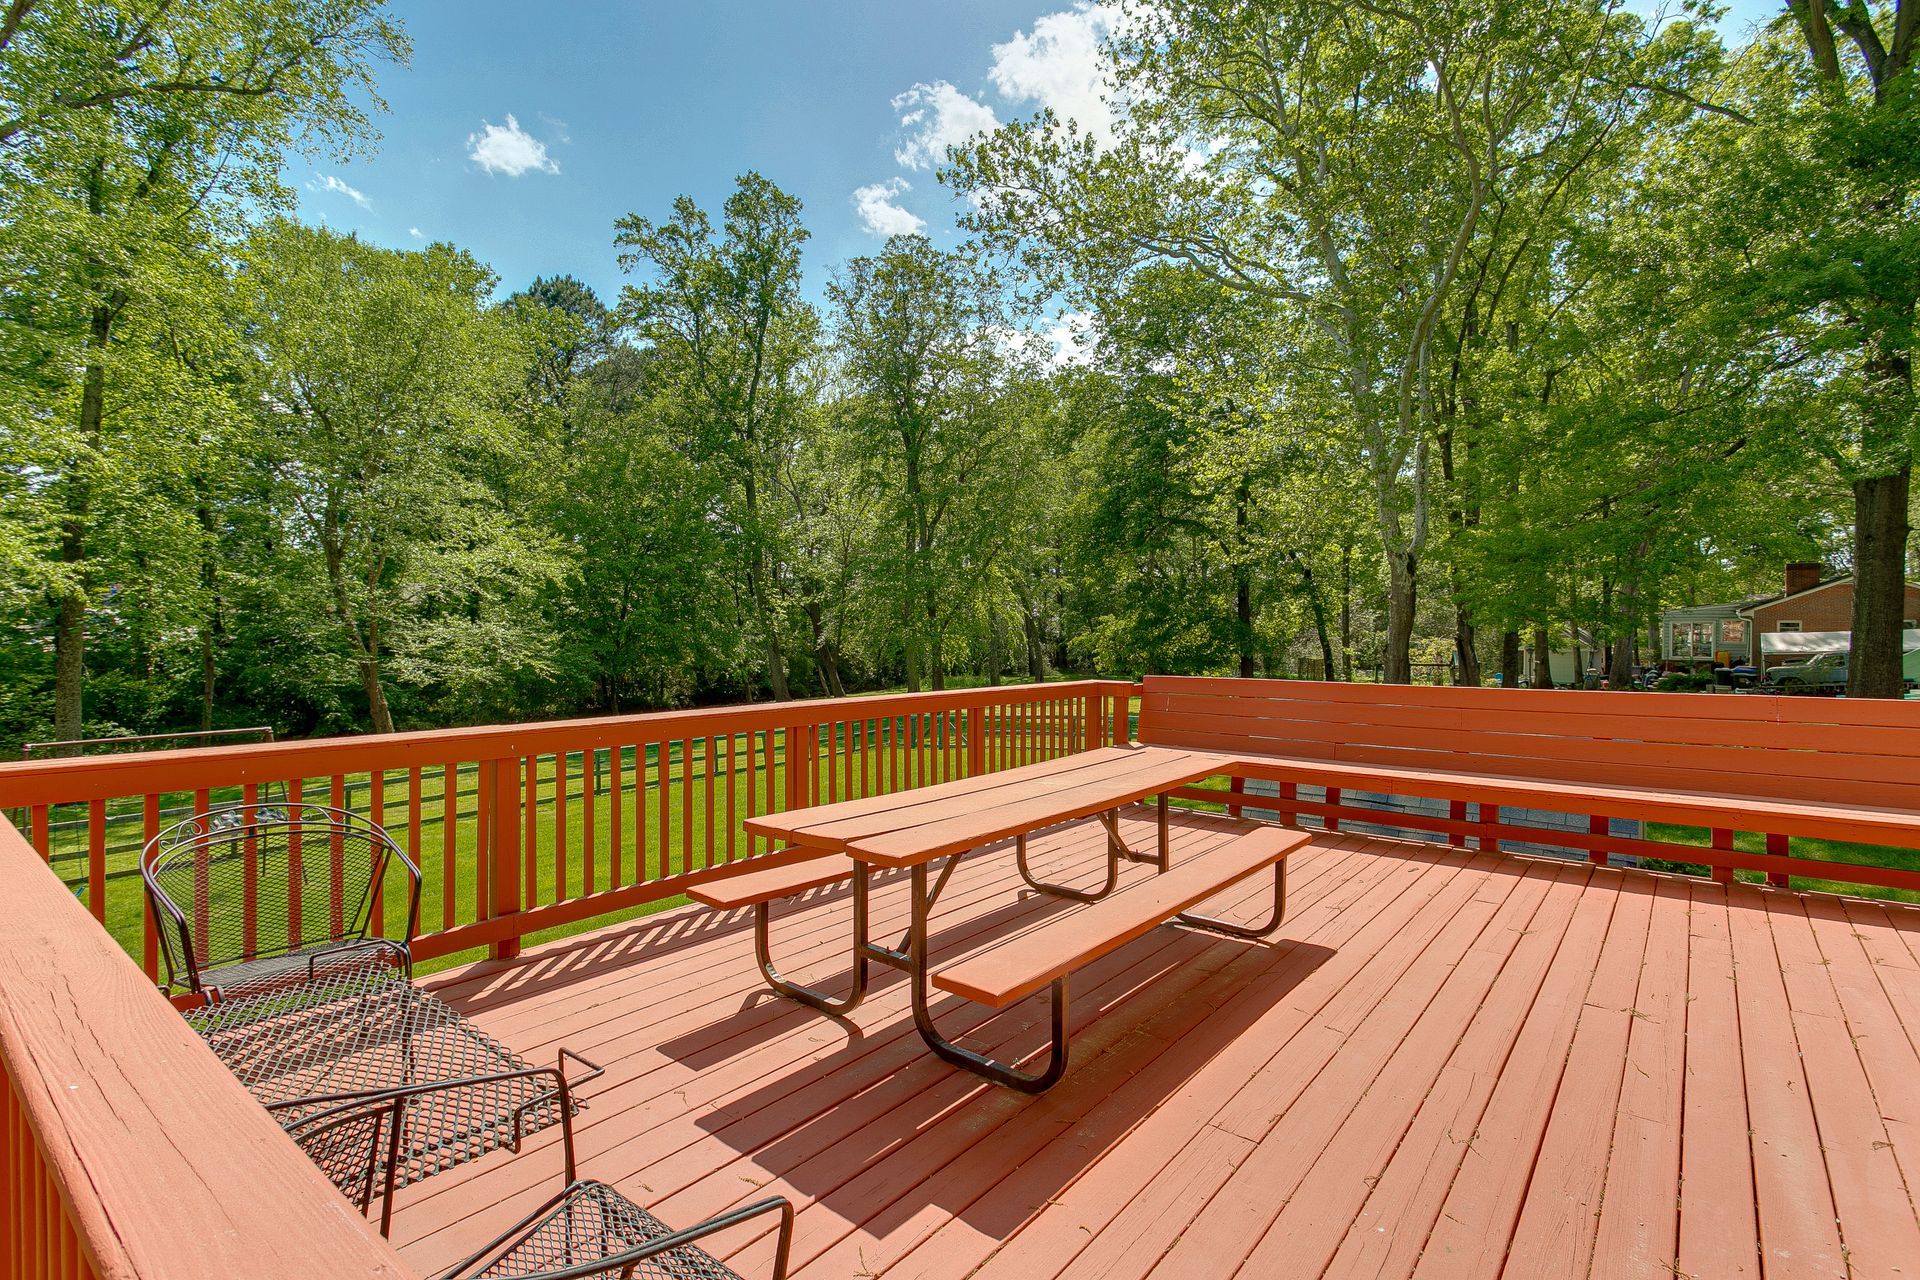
<point x="795" y="824"/>
<point x="1106" y="773"/>
<point x="1026" y="810"/>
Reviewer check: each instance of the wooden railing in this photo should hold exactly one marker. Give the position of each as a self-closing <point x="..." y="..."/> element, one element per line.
<point x="521" y="829"/>
<point x="126" y="1149"/>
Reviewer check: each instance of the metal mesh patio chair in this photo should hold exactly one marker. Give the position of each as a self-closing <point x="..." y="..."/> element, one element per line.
<point x="371" y="1142"/>
<point x="248" y="897"/>
<point x="587" y="1230"/>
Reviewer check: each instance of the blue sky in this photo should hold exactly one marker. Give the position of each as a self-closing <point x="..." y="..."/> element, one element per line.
<point x="522" y="132"/>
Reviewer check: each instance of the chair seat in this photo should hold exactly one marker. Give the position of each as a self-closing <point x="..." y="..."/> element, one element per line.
<point x="594" y="1221"/>
<point x="361" y="1028"/>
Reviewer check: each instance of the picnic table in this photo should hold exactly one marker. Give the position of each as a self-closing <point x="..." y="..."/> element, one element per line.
<point x="913" y="830"/>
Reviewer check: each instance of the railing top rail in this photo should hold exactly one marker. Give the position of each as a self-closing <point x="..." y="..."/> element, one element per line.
<point x="168" y="1169"/>
<point x="74" y="780"/>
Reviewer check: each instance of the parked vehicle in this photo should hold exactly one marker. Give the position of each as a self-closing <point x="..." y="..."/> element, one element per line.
<point x="1822" y="673"/>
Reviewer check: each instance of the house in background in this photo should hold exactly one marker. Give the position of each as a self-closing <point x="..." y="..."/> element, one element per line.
<point x="1729" y="634"/>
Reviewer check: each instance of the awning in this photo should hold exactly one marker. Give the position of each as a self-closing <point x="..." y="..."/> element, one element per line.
<point x="1808" y="643"/>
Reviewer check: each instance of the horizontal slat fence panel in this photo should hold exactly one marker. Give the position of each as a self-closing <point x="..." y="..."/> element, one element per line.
<point x="1688" y="759"/>
<point x="520" y="829"/>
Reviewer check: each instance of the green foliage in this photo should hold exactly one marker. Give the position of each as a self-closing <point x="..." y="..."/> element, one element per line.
<point x="1412" y="338"/>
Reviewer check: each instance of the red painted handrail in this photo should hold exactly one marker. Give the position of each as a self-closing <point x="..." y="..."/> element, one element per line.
<point x="520" y="828"/>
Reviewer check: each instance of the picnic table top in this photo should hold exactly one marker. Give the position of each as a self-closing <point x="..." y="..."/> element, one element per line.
<point x="906" y="828"/>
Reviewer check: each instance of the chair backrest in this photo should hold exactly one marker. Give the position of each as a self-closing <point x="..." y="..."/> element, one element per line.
<point x="1789" y="748"/>
<point x="246" y="882"/>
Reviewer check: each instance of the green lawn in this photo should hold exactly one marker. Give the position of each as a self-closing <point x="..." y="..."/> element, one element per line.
<point x="1804" y="847"/>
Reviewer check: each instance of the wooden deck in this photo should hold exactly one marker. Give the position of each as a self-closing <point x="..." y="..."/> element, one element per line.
<point x="1448" y="1063"/>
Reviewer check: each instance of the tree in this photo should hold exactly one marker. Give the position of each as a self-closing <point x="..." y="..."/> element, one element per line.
<point x="733" y="334"/>
<point x="1839" y="160"/>
<point x="133" y="139"/>
<point x="382" y="378"/>
<point x="921" y="335"/>
<point x="1338" y="160"/>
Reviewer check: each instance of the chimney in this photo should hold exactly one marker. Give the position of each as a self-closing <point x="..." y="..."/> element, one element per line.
<point x="1804" y="575"/>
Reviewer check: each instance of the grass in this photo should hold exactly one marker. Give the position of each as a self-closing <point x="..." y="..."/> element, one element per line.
<point x="1803" y="847"/>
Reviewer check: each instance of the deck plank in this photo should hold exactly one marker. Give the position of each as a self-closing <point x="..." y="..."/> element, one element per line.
<point x="1792" y="1194"/>
<point x="1719" y="1227"/>
<point x="1446" y="1063"/>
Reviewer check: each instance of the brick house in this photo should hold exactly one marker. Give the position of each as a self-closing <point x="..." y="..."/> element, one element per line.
<point x="1809" y="601"/>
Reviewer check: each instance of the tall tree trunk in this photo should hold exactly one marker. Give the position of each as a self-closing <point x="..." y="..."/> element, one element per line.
<point x="210" y="625"/>
<point x="1881" y="529"/>
<point x="1466" y="649"/>
<point x="70" y="619"/>
<point x="1036" y="645"/>
<point x="1243" y="619"/>
<point x="1542" y="659"/>
<point x="1509" y="659"/>
<point x="1627" y="613"/>
<point x="1402" y="568"/>
<point x="1346" y="611"/>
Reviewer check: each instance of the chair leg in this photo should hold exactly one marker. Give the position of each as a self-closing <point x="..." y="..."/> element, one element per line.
<point x="806" y="995"/>
<point x="979" y="1063"/>
<point x="1232" y="930"/>
<point x="1060" y="890"/>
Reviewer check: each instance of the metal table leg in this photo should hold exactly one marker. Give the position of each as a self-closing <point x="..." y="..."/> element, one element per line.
<point x="978" y="1063"/>
<point x="836" y="1005"/>
<point x="1233" y="930"/>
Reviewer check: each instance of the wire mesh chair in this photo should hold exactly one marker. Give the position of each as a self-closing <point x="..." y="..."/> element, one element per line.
<point x="371" y="1142"/>
<point x="249" y="896"/>
<point x="587" y="1230"/>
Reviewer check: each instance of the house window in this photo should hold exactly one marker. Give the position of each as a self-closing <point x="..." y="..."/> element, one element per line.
<point x="1693" y="639"/>
<point x="1733" y="631"/>
<point x="1789" y="625"/>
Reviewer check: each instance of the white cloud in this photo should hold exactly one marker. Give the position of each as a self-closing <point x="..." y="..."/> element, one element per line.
<point x="937" y="116"/>
<point x="416" y="233"/>
<point x="879" y="212"/>
<point x="1059" y="65"/>
<point x="333" y="184"/>
<point x="509" y="149"/>
<point x="1071" y="336"/>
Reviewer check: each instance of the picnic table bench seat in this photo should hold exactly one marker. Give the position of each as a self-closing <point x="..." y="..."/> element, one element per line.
<point x="1004" y="972"/>
<point x="756" y="887"/>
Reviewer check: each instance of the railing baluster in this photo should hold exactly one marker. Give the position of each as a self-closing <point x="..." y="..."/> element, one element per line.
<point x="1723" y="840"/>
<point x="560" y="802"/>
<point x="296" y="795"/>
<point x="614" y="877"/>
<point x="449" y="882"/>
<point x="589" y="805"/>
<point x="485" y="816"/>
<point x="642" y="837"/>
<point x="732" y="820"/>
<point x="712" y="779"/>
<point x="149" y="940"/>
<point x="686" y="804"/>
<point x="97" y="861"/>
<point x="414" y="806"/>
<point x="203" y="872"/>
<point x="337" y="862"/>
<point x="530" y="840"/>
<point x="1780" y="847"/>
<point x="377" y="813"/>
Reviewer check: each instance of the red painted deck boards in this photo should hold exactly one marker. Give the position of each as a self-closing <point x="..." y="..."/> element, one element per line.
<point x="1447" y="1063"/>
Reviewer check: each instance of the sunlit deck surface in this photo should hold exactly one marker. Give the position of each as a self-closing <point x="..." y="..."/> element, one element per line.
<point x="1448" y="1063"/>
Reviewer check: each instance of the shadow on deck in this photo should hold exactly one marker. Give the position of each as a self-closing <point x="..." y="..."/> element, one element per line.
<point x="1446" y="1063"/>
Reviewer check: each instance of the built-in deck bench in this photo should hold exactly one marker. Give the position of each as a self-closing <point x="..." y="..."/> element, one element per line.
<point x="1835" y="769"/>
